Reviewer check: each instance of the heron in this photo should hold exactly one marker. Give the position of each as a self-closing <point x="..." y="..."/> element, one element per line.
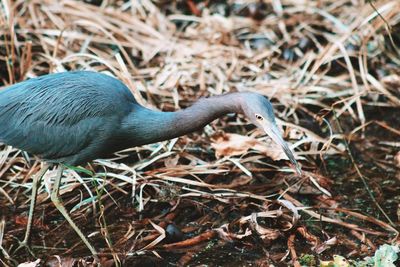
<point x="72" y="118"/>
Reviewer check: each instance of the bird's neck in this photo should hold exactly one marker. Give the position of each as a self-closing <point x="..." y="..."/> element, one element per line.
<point x="145" y="126"/>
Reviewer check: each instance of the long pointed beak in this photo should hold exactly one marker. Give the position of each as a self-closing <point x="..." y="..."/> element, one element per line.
<point x="273" y="131"/>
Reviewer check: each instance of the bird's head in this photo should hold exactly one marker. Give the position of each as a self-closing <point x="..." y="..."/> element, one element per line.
<point x="259" y="111"/>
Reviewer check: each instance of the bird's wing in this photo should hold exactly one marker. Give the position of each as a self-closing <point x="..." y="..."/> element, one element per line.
<point x="59" y="115"/>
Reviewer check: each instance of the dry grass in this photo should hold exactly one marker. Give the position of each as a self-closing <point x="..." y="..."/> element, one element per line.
<point x="331" y="68"/>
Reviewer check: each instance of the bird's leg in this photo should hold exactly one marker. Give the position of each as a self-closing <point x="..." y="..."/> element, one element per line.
<point x="35" y="183"/>
<point x="55" y="198"/>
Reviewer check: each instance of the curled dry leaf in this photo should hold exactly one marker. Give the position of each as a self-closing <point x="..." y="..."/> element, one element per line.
<point x="266" y="234"/>
<point x="228" y="144"/>
<point x="325" y="245"/>
<point x="311" y="239"/>
<point x="290" y="206"/>
<point x="172" y="161"/>
<point x="227" y="235"/>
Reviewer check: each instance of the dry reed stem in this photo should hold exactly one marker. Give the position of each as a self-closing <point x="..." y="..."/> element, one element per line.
<point x="170" y="60"/>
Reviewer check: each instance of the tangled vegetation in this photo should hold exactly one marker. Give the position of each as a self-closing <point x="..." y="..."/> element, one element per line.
<point x="224" y="195"/>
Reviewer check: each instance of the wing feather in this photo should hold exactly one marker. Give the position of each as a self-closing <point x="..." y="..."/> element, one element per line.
<point x="59" y="115"/>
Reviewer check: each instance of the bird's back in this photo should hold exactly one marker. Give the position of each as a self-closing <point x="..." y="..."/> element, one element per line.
<point x="64" y="117"/>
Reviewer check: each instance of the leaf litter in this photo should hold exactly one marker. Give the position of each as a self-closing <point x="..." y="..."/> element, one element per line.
<point x="224" y="195"/>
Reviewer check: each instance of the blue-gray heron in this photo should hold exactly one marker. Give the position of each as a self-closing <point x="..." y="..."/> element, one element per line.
<point x="72" y="118"/>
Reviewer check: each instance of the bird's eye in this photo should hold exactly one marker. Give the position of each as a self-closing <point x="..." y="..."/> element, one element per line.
<point x="259" y="117"/>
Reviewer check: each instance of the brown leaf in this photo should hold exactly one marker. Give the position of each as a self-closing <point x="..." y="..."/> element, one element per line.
<point x="23" y="220"/>
<point x="228" y="144"/>
<point x="171" y="162"/>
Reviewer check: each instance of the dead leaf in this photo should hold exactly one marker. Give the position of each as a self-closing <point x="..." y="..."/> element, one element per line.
<point x="325" y="245"/>
<point x="228" y="144"/>
<point x="266" y="234"/>
<point x="23" y="221"/>
<point x="171" y="162"/>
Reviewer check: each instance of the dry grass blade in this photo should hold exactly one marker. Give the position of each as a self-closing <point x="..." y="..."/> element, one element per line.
<point x="223" y="190"/>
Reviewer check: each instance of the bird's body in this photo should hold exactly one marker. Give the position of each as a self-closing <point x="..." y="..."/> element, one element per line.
<point x="74" y="117"/>
<point x="69" y="117"/>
